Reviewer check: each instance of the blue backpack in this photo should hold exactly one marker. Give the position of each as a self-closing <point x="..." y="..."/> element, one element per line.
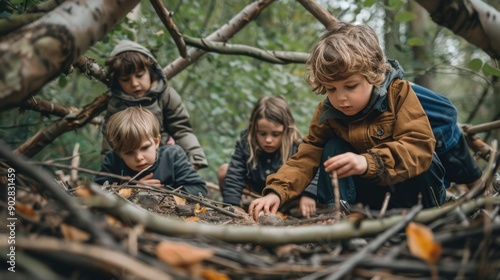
<point x="442" y="116"/>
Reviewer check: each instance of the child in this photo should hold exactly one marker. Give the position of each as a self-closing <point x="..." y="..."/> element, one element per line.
<point x="134" y="136"/>
<point x="371" y="130"/>
<point x="136" y="79"/>
<point x="270" y="139"/>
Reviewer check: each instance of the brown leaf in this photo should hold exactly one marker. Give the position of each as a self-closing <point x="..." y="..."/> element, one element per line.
<point x="212" y="274"/>
<point x="82" y="191"/>
<point x="125" y="192"/>
<point x="192" y="219"/>
<point x="181" y="254"/>
<point x="27" y="211"/>
<point x="72" y="233"/>
<point x="421" y="243"/>
<point x="179" y="200"/>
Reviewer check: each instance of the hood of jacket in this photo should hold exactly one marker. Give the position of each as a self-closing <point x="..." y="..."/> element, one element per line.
<point x="157" y="86"/>
<point x="378" y="99"/>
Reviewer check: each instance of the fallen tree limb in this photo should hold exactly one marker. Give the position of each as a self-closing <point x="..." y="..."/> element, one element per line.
<point x="103" y="257"/>
<point x="130" y="213"/>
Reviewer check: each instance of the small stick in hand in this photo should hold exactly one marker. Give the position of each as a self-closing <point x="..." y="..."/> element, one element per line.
<point x="336" y="193"/>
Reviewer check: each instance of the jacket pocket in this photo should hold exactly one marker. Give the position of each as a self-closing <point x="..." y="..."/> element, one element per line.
<point x="381" y="132"/>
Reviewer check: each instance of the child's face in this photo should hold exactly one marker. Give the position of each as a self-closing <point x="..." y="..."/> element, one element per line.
<point x="351" y="95"/>
<point x="143" y="157"/>
<point x="269" y="135"/>
<point x="135" y="84"/>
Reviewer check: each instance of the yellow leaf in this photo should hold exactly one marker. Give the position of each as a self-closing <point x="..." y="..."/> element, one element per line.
<point x="421" y="243"/>
<point x="125" y="192"/>
<point x="181" y="254"/>
<point x="179" y="200"/>
<point x="192" y="219"/>
<point x="199" y="209"/>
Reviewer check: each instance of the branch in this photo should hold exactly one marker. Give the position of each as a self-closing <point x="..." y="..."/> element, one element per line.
<point x="46" y="107"/>
<point x="472" y="20"/>
<point x="223" y="34"/>
<point x="130" y="213"/>
<point x="89" y="67"/>
<point x="104" y="258"/>
<point x="70" y="122"/>
<point x="319" y="12"/>
<point x="165" y="17"/>
<point x="47" y="183"/>
<point x="277" y="57"/>
<point x="353" y="261"/>
<point x="51" y="44"/>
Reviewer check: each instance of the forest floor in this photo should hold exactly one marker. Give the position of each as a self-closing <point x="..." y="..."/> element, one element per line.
<point x="147" y="233"/>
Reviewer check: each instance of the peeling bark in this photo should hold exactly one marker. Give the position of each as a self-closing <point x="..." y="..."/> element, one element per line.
<point x="39" y="52"/>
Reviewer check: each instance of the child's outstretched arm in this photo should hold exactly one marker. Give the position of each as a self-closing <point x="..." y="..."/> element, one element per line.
<point x="269" y="204"/>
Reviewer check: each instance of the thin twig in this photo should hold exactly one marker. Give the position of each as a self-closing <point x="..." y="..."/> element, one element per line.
<point x="336" y="193"/>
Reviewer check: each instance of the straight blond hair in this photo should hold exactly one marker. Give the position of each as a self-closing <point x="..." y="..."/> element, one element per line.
<point x="127" y="129"/>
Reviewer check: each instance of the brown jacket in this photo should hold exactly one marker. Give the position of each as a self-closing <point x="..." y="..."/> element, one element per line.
<point x="395" y="138"/>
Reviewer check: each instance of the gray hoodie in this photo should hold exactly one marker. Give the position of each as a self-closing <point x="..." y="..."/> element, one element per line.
<point x="164" y="102"/>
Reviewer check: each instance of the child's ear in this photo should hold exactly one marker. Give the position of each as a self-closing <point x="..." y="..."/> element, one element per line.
<point x="157" y="141"/>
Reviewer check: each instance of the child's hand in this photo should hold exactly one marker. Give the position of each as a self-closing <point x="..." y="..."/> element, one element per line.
<point x="307" y="206"/>
<point x="151" y="182"/>
<point x="268" y="203"/>
<point x="346" y="165"/>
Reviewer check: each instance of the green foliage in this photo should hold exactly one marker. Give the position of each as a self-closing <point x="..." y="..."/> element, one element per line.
<point x="405" y="16"/>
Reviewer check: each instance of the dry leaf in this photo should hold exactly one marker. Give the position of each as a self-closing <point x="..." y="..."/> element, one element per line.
<point x="179" y="200"/>
<point x="192" y="219"/>
<point x="421" y="243"/>
<point x="356" y="216"/>
<point x="27" y="211"/>
<point x="112" y="221"/>
<point x="125" y="192"/>
<point x="181" y="254"/>
<point x="71" y="233"/>
<point x="281" y="215"/>
<point x="210" y="273"/>
<point x="82" y="191"/>
<point x="199" y="209"/>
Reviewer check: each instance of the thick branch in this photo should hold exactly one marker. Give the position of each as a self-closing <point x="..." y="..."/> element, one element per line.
<point x="468" y="19"/>
<point x="70" y="122"/>
<point x="129" y="212"/>
<point x="41" y="51"/>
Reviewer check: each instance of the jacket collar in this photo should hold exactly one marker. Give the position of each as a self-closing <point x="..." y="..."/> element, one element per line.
<point x="378" y="99"/>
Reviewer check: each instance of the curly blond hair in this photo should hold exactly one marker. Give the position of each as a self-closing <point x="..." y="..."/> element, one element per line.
<point x="345" y="50"/>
